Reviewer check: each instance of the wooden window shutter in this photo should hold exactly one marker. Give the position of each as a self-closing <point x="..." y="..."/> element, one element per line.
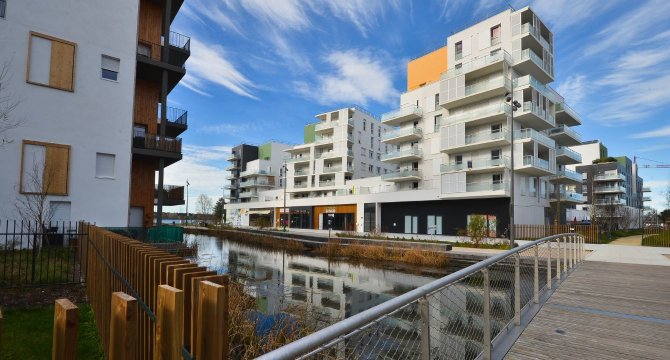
<point x="56" y="169"/>
<point x="61" y="74"/>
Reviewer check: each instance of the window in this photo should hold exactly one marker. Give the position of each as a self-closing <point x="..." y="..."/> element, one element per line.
<point x="459" y="159"/>
<point x="379" y="169"/>
<point x="437" y="122"/>
<point x="497" y="178"/>
<point x="50" y="62"/>
<point x="363" y="166"/>
<point x="364" y="124"/>
<point x="363" y="152"/>
<point x="370" y="168"/>
<point x="496" y="128"/>
<point x="459" y="50"/>
<point x="379" y="132"/>
<point x="372" y="141"/>
<point x="44" y="168"/>
<point x="372" y="155"/>
<point x="437" y="101"/>
<point x="359" y="137"/>
<point x="3" y="7"/>
<point x="110" y="68"/>
<point x="378" y="157"/>
<point x="104" y="165"/>
<point x="372" y="128"/>
<point x="495" y="35"/>
<point x="495" y="154"/>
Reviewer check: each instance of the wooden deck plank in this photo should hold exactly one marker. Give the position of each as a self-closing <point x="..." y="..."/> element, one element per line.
<point x="603" y="311"/>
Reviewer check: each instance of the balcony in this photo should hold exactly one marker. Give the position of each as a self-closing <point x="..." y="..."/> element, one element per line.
<point x="402" y="175"/>
<point x="533" y="135"/>
<point x="300" y="185"/>
<point x="327" y="155"/>
<point x="402" y="155"/>
<point x="325" y="125"/>
<point x="176" y="121"/>
<point x="477" y="165"/>
<point x="249" y="173"/>
<point x="323" y="139"/>
<point x="172" y="195"/>
<point x="152" y="60"/>
<point x="298" y="159"/>
<point x="257" y="183"/>
<point x="612" y="201"/>
<point x="474" y="92"/>
<point x="248" y="194"/>
<point x="331" y="169"/>
<point x="567" y="156"/>
<point x="530" y="81"/>
<point x="535" y="166"/>
<point x="609" y="189"/>
<point x="232" y="186"/>
<point x="479" y="66"/>
<point x="405" y="113"/>
<point x="301" y="172"/>
<point x="475" y="190"/>
<point x="569" y="196"/>
<point x="154" y="146"/>
<point x="610" y="177"/>
<point x="233" y="157"/>
<point x="528" y="29"/>
<point x="566" y="115"/>
<point x="233" y="167"/>
<point x="480" y="114"/>
<point x="646" y="198"/>
<point x="565" y="136"/>
<point x="646" y="189"/>
<point x="528" y="62"/>
<point x="231" y="177"/>
<point x="402" y="135"/>
<point x="567" y="176"/>
<point x="533" y="116"/>
<point x="327" y="183"/>
<point x="473" y="141"/>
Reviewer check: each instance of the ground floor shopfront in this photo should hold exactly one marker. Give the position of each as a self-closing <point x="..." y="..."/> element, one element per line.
<point x="335" y="217"/>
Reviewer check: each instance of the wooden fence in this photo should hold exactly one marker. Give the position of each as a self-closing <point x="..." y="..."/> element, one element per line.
<point x="150" y="304"/>
<point x="534" y="232"/>
<point x="658" y="236"/>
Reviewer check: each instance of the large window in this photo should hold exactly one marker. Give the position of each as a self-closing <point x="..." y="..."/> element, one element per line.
<point x="44" y="168"/>
<point x="51" y="62"/>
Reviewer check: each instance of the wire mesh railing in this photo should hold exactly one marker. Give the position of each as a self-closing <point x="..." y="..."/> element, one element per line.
<point x="460" y="316"/>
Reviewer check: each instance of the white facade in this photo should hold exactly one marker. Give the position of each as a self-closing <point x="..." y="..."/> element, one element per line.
<point x="263" y="174"/>
<point x="94" y="119"/>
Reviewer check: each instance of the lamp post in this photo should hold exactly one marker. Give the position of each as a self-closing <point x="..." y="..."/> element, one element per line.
<point x="514" y="105"/>
<point x="284" y="169"/>
<point x="187" y="184"/>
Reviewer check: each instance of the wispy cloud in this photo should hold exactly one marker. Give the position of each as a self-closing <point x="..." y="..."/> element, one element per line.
<point x="362" y="13"/>
<point x="573" y="89"/>
<point x="563" y="14"/>
<point x="357" y="76"/>
<point x="660" y="132"/>
<point x="209" y="65"/>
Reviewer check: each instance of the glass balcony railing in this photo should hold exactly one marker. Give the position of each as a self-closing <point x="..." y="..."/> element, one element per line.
<point x="608" y="177"/>
<point x="529" y="54"/>
<point x="483" y="137"/>
<point x="529" y="106"/>
<point x="332" y="169"/>
<point x="414" y="152"/>
<point x="562" y="150"/>
<point x="569" y="174"/>
<point x="567" y="131"/>
<point x="325" y="125"/>
<point x="401" y="133"/>
<point x="646" y="198"/>
<point x="543" y="89"/>
<point x="602" y="189"/>
<point x="248" y="194"/>
<point x="611" y="201"/>
<point x="530" y="160"/>
<point x="646" y="189"/>
<point x="486" y="186"/>
<point x="482" y="86"/>
<point x="567" y="196"/>
<point x="298" y="159"/>
<point x="301" y="172"/>
<point x="350" y="153"/>
<point x="536" y="136"/>
<point x="254" y="172"/>
<point x="323" y="139"/>
<point x="300" y="185"/>
<point x="527" y="28"/>
<point x="478" y="112"/>
<point x="475" y="164"/>
<point x="568" y="110"/>
<point x="327" y="183"/>
<point x="477" y="63"/>
<point x="403" y="111"/>
<point x="401" y="174"/>
<point x="327" y="154"/>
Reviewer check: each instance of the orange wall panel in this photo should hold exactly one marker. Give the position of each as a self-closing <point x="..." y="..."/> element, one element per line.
<point x="426" y="69"/>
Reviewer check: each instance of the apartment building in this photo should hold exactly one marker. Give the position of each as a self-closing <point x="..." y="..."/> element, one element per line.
<point x="75" y="148"/>
<point x="473" y="111"/>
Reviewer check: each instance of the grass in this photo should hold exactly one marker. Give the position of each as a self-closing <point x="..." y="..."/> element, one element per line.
<point x="661" y="239"/>
<point x="617" y="234"/>
<point x="498" y="246"/>
<point x="333" y="249"/>
<point x="27" y="334"/>
<point x="53" y="265"/>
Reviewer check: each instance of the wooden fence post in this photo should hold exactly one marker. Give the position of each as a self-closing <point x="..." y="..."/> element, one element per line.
<point x="0" y="331"/>
<point x="212" y="339"/>
<point x="123" y="327"/>
<point x="169" y="323"/>
<point x="66" y="322"/>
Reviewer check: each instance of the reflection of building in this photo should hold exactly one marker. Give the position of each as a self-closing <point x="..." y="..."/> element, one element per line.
<point x="448" y="146"/>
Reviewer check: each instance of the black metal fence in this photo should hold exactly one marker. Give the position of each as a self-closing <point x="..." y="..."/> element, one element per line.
<point x="33" y="254"/>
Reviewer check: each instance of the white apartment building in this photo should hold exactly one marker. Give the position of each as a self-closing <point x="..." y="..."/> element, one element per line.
<point x="450" y="148"/>
<point x="263" y="173"/>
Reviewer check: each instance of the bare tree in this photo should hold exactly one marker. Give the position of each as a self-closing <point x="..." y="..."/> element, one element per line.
<point x="8" y="103"/>
<point x="33" y="204"/>
<point x="204" y="205"/>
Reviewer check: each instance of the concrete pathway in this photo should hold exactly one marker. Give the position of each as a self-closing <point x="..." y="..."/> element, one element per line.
<point x="635" y="240"/>
<point x="643" y="255"/>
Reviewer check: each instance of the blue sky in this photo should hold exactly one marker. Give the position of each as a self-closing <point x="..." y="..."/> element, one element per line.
<point x="261" y="69"/>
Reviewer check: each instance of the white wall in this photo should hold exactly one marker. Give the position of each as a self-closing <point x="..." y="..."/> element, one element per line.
<point x="96" y="117"/>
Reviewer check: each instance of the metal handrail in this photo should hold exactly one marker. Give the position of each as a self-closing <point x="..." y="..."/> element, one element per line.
<point x="345" y="329"/>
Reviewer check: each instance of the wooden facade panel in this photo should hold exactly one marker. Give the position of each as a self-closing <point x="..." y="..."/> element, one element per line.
<point x="61" y="73"/>
<point x="150" y="22"/>
<point x="142" y="187"/>
<point x="56" y="170"/>
<point x="332" y="209"/>
<point x="147" y="96"/>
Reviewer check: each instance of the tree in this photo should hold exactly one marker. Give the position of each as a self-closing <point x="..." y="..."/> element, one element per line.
<point x="477" y="229"/>
<point x="204" y="206"/>
<point x="220" y="210"/>
<point x="8" y="103"/>
<point x="665" y="216"/>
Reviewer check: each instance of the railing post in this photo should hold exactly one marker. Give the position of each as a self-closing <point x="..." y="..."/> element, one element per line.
<point x="517" y="290"/>
<point x="424" y="311"/>
<point x="213" y="317"/>
<point x="169" y="323"/>
<point x="569" y="250"/>
<point x="549" y="265"/>
<point x="574" y="251"/>
<point x="123" y="327"/>
<point x="565" y="254"/>
<point x="558" y="258"/>
<point x="66" y="323"/>
<point x="487" y="314"/>
<point x="536" y="275"/>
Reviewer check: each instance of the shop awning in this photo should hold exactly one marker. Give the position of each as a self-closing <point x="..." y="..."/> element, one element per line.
<point x="259" y="212"/>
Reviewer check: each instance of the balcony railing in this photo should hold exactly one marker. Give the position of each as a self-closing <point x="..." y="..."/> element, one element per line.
<point x="603" y="189"/>
<point x="612" y="177"/>
<point x="331" y="169"/>
<point x="543" y="89"/>
<point x="300" y="185"/>
<point x="479" y="112"/>
<point x="401" y="133"/>
<point x="610" y="201"/>
<point x="401" y="174"/>
<point x="646" y="189"/>
<point x="529" y="106"/>
<point x="490" y="84"/>
<point x="527" y="28"/>
<point x="536" y="136"/>
<point x="476" y="164"/>
<point x="562" y="150"/>
<point x="174" y="116"/>
<point x="567" y="196"/>
<point x="259" y="182"/>
<point x="301" y="172"/>
<point x="323" y="139"/>
<point x="327" y="183"/>
<point x="153" y="50"/>
<point x="566" y="130"/>
<point x="403" y="111"/>
<point x="401" y="153"/>
<point x="171" y="192"/>
<point x="530" y="160"/>
<point x="488" y="136"/>
<point x="486" y="186"/>
<point x="324" y="125"/>
<point x="254" y="172"/>
<point x="529" y="54"/>
<point x="569" y="174"/>
<point x="298" y="159"/>
<point x="180" y="41"/>
<point x="564" y="107"/>
<point x="248" y="194"/>
<point x="155" y="142"/>
<point x="477" y="63"/>
<point x="327" y="154"/>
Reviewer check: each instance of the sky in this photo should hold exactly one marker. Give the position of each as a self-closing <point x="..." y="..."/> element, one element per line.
<point x="261" y="69"/>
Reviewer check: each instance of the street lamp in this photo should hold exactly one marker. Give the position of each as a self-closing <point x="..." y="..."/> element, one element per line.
<point x="515" y="105"/>
<point x="284" y="169"/>
<point x="187" y="184"/>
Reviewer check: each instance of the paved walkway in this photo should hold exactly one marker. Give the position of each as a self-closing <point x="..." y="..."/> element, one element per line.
<point x="643" y="255"/>
<point x="635" y="240"/>
<point x="603" y="310"/>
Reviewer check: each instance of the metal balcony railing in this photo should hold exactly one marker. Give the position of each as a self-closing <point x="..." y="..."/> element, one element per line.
<point x="153" y="50"/>
<point x="476" y="164"/>
<point x="175" y="116"/>
<point x="473" y="305"/>
<point x="155" y="142"/>
<point x="180" y="41"/>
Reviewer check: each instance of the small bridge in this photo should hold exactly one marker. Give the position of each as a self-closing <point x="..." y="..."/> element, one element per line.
<point x="540" y="300"/>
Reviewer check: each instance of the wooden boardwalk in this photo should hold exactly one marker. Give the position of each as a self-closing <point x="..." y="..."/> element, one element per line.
<point x="602" y="311"/>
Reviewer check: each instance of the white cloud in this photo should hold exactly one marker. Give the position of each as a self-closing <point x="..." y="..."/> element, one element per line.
<point x="660" y="132"/>
<point x="573" y="89"/>
<point x="282" y="14"/>
<point x="362" y="13"/>
<point x="358" y="76"/>
<point x="208" y="64"/>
